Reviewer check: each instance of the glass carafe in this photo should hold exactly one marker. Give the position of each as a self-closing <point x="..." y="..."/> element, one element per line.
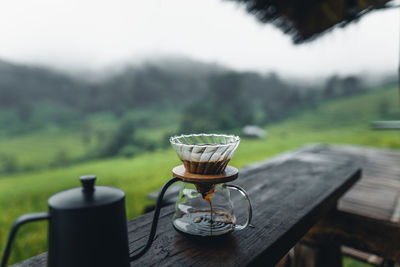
<point x="210" y="214"/>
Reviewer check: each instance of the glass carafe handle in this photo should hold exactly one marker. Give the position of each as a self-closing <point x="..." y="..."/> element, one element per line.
<point x="250" y="210"/>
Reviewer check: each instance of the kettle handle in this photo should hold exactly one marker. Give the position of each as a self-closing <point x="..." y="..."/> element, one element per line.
<point x="30" y="217"/>
<point x="155" y="219"/>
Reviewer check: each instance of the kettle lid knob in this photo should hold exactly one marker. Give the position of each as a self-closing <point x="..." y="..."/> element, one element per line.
<point x="88" y="182"/>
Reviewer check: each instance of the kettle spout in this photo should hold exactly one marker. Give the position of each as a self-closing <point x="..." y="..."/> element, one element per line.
<point x="155" y="219"/>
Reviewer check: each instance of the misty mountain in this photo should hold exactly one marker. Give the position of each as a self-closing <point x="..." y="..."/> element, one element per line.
<point x="22" y="85"/>
<point x="215" y="93"/>
<point x="151" y="83"/>
<point x="167" y="82"/>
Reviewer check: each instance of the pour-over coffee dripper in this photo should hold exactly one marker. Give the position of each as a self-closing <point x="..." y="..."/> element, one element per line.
<point x="205" y="153"/>
<point x="204" y="207"/>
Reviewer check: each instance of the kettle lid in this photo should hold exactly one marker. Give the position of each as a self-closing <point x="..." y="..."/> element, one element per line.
<point x="87" y="196"/>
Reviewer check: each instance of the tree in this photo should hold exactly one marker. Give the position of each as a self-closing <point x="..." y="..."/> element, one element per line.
<point x="122" y="137"/>
<point x="384" y="107"/>
<point x="332" y="87"/>
<point x="351" y="85"/>
<point x="223" y="107"/>
<point x="8" y="163"/>
<point x="24" y="111"/>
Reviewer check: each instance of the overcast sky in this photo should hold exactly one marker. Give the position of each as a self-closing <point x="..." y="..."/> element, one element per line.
<point x="97" y="33"/>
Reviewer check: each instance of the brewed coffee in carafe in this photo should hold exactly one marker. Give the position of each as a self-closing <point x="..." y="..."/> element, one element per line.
<point x="202" y="213"/>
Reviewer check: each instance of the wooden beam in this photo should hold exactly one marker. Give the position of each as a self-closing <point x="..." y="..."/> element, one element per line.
<point x="327" y="255"/>
<point x="374" y="236"/>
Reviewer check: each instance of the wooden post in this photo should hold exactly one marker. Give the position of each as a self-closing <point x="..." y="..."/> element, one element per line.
<point x="321" y="255"/>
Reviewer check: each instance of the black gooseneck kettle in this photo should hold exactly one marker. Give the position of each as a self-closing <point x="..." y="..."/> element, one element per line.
<point x="87" y="226"/>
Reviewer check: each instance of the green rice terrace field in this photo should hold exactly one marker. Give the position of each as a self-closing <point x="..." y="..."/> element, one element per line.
<point x="340" y="121"/>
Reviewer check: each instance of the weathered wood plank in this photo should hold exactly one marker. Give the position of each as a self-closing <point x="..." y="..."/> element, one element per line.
<point x="368" y="215"/>
<point x="290" y="193"/>
<point x="376" y="194"/>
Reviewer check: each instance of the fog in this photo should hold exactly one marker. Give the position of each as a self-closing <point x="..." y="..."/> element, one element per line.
<point x="93" y="35"/>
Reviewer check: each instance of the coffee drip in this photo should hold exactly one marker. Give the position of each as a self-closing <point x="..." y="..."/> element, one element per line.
<point x="206" y="167"/>
<point x="206" y="190"/>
